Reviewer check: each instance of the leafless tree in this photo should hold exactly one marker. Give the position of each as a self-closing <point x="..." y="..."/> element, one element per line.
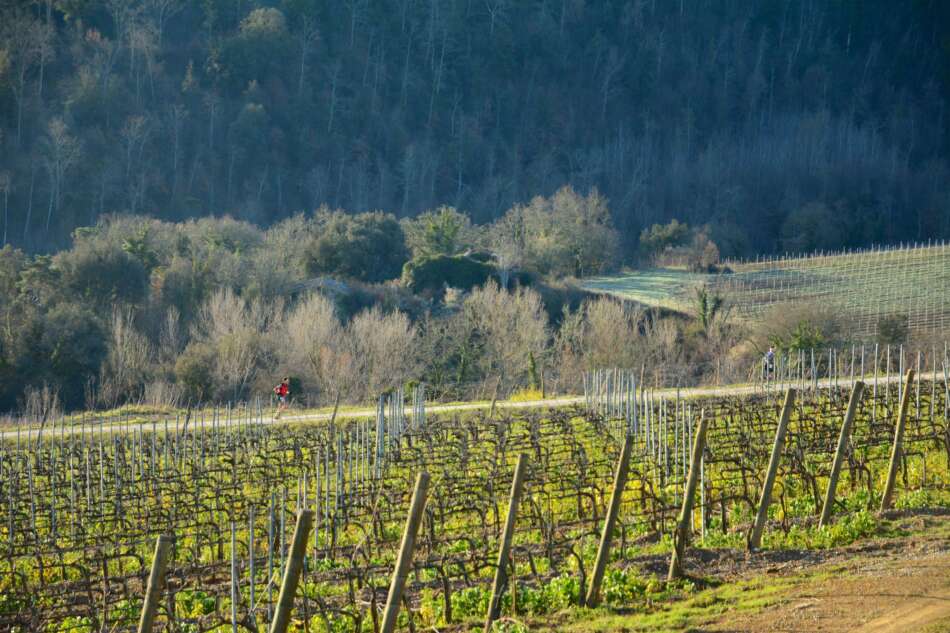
<point x="383" y="347"/>
<point x="24" y="40"/>
<point x="308" y="35"/>
<point x="128" y="361"/>
<point x="312" y="347"/>
<point x="511" y="327"/>
<point x="241" y="334"/>
<point x="171" y="337"/>
<point x="62" y="152"/>
<point x="163" y="11"/>
<point x="6" y="184"/>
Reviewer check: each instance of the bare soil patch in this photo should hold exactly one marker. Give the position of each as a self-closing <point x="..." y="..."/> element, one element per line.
<point x="893" y="586"/>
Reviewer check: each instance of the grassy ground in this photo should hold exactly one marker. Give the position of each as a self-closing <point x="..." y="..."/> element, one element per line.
<point x="657" y="287"/>
<point x="897" y="581"/>
<point x="863" y="286"/>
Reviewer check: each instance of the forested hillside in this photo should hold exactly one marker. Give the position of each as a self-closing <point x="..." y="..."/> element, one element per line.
<point x="761" y="118"/>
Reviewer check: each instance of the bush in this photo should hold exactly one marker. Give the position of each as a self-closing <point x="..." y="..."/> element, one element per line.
<point x="72" y="347"/>
<point x="194" y="372"/>
<point x="430" y="275"/>
<point x="565" y="235"/>
<point x="799" y="327"/>
<point x="441" y="232"/>
<point x="659" y="237"/>
<point x="368" y="246"/>
<point x="102" y="273"/>
<point x="893" y="329"/>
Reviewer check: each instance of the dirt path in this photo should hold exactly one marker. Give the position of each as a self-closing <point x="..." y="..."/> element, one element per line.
<point x="889" y="590"/>
<point x="566" y="401"/>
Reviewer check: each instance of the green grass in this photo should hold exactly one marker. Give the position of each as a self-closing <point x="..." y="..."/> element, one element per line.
<point x="861" y="286"/>
<point x="658" y="287"/>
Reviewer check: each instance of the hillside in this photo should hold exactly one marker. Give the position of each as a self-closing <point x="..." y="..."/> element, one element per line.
<point x="864" y="287"/>
<point x="785" y="125"/>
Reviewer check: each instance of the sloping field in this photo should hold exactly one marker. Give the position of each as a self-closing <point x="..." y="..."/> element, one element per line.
<point x="80" y="513"/>
<point x="864" y="286"/>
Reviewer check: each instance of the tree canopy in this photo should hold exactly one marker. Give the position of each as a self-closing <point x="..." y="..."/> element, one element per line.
<point x="755" y="118"/>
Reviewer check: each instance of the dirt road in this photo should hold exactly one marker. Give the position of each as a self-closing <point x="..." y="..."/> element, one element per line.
<point x="566" y="401"/>
<point x="901" y="587"/>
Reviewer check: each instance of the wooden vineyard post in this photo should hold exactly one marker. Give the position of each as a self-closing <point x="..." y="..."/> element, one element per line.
<point x="826" y="510"/>
<point x="755" y="539"/>
<point x="494" y="400"/>
<point x="898" y="443"/>
<point x="404" y="561"/>
<point x="681" y="536"/>
<point x="517" y="483"/>
<point x="155" y="579"/>
<point x="288" y="586"/>
<point x="620" y="481"/>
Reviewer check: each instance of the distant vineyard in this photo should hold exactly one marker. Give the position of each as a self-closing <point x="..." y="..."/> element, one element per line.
<point x="864" y="286"/>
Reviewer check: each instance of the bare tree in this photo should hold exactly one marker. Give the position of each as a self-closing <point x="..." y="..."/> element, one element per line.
<point x="307" y="36"/>
<point x="170" y="338"/>
<point x="46" y="47"/>
<point x="313" y="347"/>
<point x="612" y="337"/>
<point x="163" y="11"/>
<point x="6" y="183"/>
<point x="356" y="8"/>
<point x="176" y="119"/>
<point x="383" y="346"/>
<point x="134" y="132"/>
<point x="128" y="362"/>
<point x="612" y="68"/>
<point x="240" y="333"/>
<point x="143" y="43"/>
<point x="62" y="152"/>
<point x="507" y="243"/>
<point x="496" y="13"/>
<point x="603" y="333"/>
<point x="334" y="83"/>
<point x="511" y="327"/>
<point x="23" y="37"/>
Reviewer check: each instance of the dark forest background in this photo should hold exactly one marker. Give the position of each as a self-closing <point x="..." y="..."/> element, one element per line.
<point x="200" y="197"/>
<point x="763" y="119"/>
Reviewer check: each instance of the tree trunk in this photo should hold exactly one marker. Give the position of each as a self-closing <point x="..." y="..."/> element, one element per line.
<point x="29" y="206"/>
<point x="6" y="213"/>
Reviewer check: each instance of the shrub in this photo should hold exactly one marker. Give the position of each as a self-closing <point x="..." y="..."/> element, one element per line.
<point x="659" y="237"/>
<point x="431" y="275"/>
<point x="194" y="370"/>
<point x="101" y="273"/>
<point x="441" y="232"/>
<point x="368" y="246"/>
<point x="72" y="347"/>
<point x="893" y="329"/>
<point x="798" y="327"/>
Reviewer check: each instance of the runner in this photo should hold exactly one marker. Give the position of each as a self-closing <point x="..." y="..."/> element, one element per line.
<point x="768" y="366"/>
<point x="282" y="392"/>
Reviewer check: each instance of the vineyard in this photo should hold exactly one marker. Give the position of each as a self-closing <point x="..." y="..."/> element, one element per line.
<point x="81" y="507"/>
<point x="863" y="286"/>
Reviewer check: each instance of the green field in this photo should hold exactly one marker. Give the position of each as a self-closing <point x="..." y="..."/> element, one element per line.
<point x="862" y="286"/>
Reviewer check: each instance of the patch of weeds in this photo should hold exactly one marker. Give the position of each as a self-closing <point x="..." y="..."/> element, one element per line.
<point x="924" y="498"/>
<point x="846" y="530"/>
